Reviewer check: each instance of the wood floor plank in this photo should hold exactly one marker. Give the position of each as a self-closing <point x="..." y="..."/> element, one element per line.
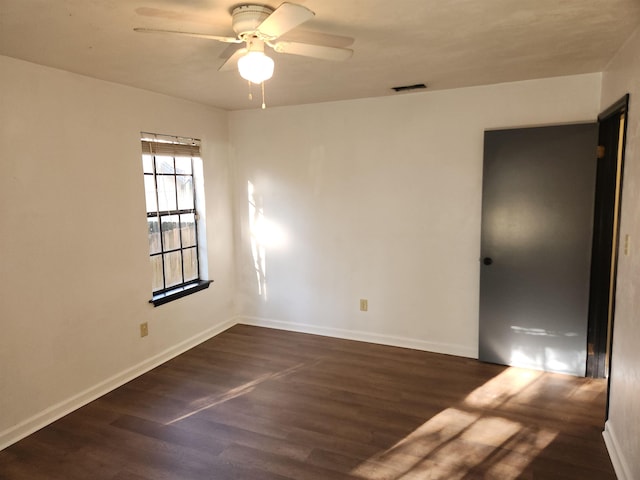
<point x="263" y="404"/>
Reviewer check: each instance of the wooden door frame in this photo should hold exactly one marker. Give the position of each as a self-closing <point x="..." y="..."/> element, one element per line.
<point x="611" y="140"/>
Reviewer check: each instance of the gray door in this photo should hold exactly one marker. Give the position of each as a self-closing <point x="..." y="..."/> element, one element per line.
<point x="537" y="221"/>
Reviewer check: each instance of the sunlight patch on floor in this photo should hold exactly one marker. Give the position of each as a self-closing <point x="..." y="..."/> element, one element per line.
<point x="503" y="387"/>
<point x="470" y="438"/>
<point x="212" y="401"/>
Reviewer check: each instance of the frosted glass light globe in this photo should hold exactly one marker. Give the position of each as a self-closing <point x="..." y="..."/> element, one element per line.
<point x="255" y="67"/>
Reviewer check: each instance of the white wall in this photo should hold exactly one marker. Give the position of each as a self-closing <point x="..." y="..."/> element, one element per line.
<point x="623" y="427"/>
<point x="74" y="273"/>
<point x="380" y="199"/>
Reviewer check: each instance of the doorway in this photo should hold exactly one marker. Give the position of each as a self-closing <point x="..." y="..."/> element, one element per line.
<point x="537" y="228"/>
<point x="611" y="142"/>
<point x="524" y="300"/>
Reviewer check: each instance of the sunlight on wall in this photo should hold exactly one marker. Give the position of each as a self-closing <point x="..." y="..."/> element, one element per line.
<point x="468" y="438"/>
<point x="256" y="219"/>
<point x="264" y="233"/>
<point x="545" y="359"/>
<point x="542" y="332"/>
<point x="553" y="357"/>
<point x="541" y="349"/>
<point x="519" y="223"/>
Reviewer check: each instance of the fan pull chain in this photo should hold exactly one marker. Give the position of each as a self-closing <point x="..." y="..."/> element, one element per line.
<point x="250" y="92"/>
<point x="263" y="104"/>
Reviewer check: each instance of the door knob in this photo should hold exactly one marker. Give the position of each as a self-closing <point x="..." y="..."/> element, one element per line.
<point x="487" y="260"/>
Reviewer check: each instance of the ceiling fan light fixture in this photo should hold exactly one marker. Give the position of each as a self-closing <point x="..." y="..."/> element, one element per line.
<point x="256" y="67"/>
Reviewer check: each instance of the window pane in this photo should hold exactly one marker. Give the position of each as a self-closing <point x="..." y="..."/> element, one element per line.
<point x="166" y="192"/>
<point x="185" y="192"/>
<point x="183" y="165"/>
<point x="150" y="193"/>
<point x="188" y="226"/>
<point x="147" y="163"/>
<point x="190" y="260"/>
<point x="154" y="235"/>
<point x="164" y="164"/>
<point x="170" y="232"/>
<point x="156" y="267"/>
<point x="170" y="184"/>
<point x="173" y="268"/>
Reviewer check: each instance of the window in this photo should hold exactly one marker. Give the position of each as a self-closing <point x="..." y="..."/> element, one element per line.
<point x="172" y="174"/>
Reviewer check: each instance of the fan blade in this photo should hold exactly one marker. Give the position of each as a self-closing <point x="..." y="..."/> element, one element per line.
<point x="316" y="38"/>
<point x="316" y="51"/>
<point x="286" y="17"/>
<point x="232" y="61"/>
<point x="190" y="34"/>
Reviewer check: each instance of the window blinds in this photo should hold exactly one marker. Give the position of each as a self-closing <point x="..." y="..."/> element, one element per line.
<point x="170" y="149"/>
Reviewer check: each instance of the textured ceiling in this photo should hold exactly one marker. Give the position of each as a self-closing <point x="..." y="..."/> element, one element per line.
<point x="443" y="43"/>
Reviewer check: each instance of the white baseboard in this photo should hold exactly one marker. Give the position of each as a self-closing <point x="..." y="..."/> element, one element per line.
<point x="613" y="447"/>
<point x="53" y="413"/>
<point x="404" y="342"/>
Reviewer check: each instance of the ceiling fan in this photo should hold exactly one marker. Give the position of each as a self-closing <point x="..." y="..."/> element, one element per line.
<point x="259" y="25"/>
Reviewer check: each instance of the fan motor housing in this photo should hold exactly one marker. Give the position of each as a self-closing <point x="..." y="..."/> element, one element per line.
<point x="246" y="18"/>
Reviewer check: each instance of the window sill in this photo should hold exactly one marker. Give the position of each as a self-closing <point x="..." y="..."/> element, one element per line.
<point x="179" y="292"/>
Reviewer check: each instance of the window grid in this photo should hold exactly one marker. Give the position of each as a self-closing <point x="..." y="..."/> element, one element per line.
<point x="160" y="214"/>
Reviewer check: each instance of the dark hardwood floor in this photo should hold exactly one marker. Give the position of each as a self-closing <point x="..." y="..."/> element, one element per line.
<point x="255" y="403"/>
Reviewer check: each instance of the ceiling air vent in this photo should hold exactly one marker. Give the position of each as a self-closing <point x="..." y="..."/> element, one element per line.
<point x="408" y="88"/>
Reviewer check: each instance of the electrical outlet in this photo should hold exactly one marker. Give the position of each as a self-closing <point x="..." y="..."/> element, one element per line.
<point x="144" y="329"/>
<point x="364" y="305"/>
<point x="627" y="244"/>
